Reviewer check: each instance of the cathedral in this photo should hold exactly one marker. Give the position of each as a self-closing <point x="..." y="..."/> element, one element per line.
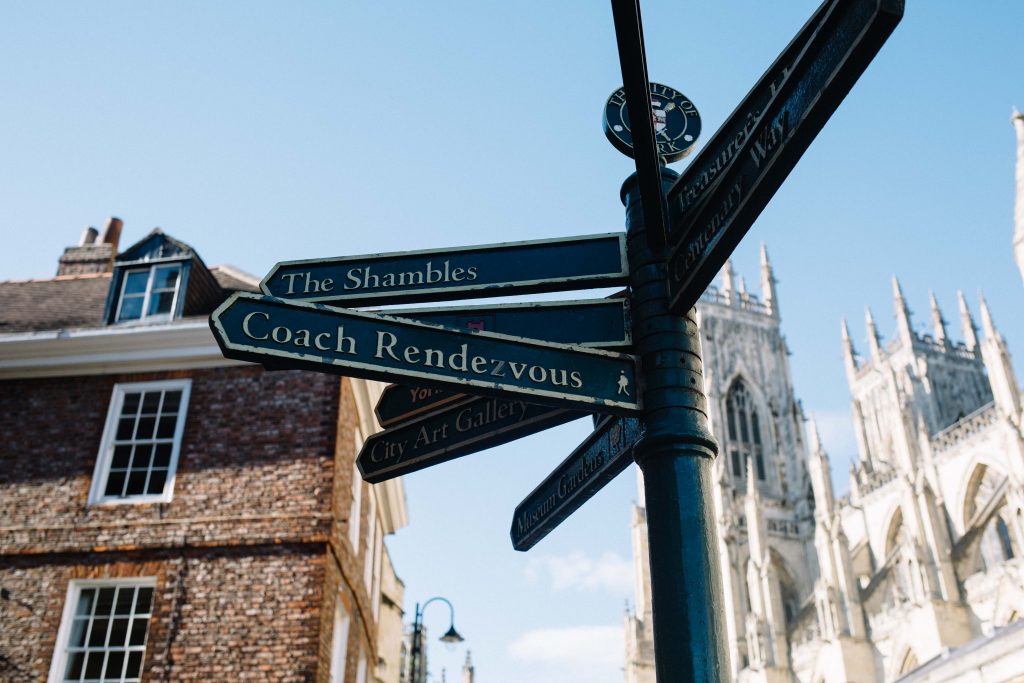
<point x="917" y="573"/>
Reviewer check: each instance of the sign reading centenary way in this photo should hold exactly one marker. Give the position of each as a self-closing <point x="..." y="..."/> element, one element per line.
<point x="724" y="146"/>
<point x="457" y="273"/>
<point x="599" y="459"/>
<point x="847" y="36"/>
<point x="456" y="430"/>
<point x="374" y="346"/>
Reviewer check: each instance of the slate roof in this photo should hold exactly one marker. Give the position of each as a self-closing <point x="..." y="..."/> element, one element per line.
<point x="232" y="279"/>
<point x="69" y="301"/>
<point x="65" y="301"/>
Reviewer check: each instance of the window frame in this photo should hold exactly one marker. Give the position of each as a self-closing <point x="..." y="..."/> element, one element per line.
<point x="151" y="271"/>
<point x="339" y="641"/>
<point x="59" y="660"/>
<point x="744" y="434"/>
<point x="101" y="471"/>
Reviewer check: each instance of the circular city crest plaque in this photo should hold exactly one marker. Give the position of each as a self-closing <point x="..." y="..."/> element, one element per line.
<point x="676" y="122"/>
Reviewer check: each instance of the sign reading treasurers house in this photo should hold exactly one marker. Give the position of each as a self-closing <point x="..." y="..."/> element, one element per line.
<point x="553" y="265"/>
<point x="373" y="346"/>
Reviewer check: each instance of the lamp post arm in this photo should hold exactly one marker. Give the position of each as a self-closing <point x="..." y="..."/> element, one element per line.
<point x="451" y="610"/>
<point x="416" y="654"/>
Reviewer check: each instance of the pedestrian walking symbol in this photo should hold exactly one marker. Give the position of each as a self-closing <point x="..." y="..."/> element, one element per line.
<point x="623" y="383"/>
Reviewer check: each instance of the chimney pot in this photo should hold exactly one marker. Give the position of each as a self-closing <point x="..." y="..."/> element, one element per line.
<point x="112" y="232"/>
<point x="88" y="237"/>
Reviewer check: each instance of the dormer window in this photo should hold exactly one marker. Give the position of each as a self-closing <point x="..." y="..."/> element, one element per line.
<point x="160" y="280"/>
<point x="149" y="292"/>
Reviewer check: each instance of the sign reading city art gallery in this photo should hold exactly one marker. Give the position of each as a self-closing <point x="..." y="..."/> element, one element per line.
<point x="847" y="36"/>
<point x="599" y="459"/>
<point x="456" y="430"/>
<point x="374" y="346"/>
<point x="461" y="272"/>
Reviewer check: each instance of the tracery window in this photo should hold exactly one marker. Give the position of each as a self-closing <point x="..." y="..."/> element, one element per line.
<point x="744" y="431"/>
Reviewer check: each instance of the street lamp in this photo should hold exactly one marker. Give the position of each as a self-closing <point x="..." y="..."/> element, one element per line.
<point x="451" y="637"/>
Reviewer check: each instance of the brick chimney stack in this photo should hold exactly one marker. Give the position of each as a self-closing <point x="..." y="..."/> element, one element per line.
<point x="92" y="256"/>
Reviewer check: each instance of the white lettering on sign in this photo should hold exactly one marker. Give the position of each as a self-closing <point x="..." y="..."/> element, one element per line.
<point x="259" y="326"/>
<point x="365" y="278"/>
<point x="285" y="336"/>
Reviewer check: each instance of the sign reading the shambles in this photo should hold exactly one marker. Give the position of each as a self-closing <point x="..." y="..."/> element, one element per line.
<point x="457" y="273"/>
<point x="373" y="346"/>
<point x="599" y="459"/>
<point x="452" y="432"/>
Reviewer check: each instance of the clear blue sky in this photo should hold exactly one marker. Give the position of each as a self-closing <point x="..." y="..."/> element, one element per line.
<point x="263" y="131"/>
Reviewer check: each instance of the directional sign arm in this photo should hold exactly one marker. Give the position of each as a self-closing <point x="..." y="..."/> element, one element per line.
<point x="452" y="432"/>
<point x="599" y="459"/>
<point x="723" y="148"/>
<point x="837" y="53"/>
<point x="344" y="342"/>
<point x="629" y="35"/>
<point x="483" y="270"/>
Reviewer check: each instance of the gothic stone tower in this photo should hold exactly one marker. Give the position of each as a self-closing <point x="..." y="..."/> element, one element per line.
<point x="763" y="504"/>
<point x="924" y="552"/>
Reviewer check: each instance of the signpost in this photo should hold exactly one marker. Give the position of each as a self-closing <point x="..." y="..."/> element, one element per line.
<point x="476" y="377"/>
<point x="375" y="346"/>
<point x="457" y="273"/>
<point x="599" y="459"/>
<point x="456" y="430"/>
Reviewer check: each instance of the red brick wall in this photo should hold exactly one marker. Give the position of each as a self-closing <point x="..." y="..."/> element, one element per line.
<point x="249" y="554"/>
<point x="233" y="614"/>
<point x="255" y="463"/>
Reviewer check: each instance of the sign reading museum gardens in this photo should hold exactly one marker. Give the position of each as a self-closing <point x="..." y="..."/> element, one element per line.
<point x="471" y="377"/>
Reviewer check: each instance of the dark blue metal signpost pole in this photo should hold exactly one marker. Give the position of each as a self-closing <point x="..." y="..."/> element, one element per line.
<point x="675" y="457"/>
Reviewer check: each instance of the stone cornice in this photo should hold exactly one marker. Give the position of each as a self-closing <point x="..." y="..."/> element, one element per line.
<point x="116" y="348"/>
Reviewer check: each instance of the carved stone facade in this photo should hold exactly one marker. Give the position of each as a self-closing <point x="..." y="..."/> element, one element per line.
<point x="917" y="573"/>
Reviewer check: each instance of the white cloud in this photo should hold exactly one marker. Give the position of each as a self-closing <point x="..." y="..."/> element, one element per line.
<point x="577" y="571"/>
<point x="583" y="654"/>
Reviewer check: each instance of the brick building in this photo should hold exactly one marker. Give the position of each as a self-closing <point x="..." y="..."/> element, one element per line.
<point x="169" y="515"/>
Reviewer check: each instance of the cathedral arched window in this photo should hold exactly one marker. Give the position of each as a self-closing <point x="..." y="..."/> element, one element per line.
<point x="996" y="545"/>
<point x="744" y="431"/>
